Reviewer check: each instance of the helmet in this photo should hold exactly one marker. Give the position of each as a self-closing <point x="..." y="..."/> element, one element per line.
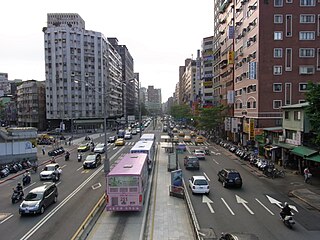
<point x="286" y="204"/>
<point x="19" y="184"/>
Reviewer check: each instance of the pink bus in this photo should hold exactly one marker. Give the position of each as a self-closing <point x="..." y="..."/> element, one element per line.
<point x="127" y="183"/>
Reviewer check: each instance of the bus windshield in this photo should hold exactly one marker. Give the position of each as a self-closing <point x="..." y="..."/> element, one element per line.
<point x="123" y="181"/>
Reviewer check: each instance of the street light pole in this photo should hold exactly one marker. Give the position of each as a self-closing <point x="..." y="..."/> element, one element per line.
<point x="139" y="104"/>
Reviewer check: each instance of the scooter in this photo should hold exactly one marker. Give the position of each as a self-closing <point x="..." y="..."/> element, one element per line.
<point x="16" y="196"/>
<point x="288" y="220"/>
<point x="26" y="180"/>
<point x="79" y="157"/>
<point x="67" y="157"/>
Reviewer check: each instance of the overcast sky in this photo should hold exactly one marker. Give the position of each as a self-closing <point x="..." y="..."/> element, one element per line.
<point x="160" y="34"/>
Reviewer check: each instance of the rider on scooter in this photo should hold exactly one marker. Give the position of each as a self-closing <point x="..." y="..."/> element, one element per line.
<point x="19" y="189"/>
<point x="285" y="211"/>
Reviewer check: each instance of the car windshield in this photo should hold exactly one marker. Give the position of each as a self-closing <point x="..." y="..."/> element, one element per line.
<point x="200" y="182"/>
<point x="91" y="157"/>
<point x="33" y="197"/>
<point x="100" y="146"/>
<point x="49" y="168"/>
<point x="234" y="175"/>
<point x="199" y="151"/>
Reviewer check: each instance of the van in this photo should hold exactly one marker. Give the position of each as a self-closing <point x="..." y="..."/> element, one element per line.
<point x="191" y="162"/>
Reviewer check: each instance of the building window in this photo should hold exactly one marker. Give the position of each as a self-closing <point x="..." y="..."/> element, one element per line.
<point x="307" y="3"/>
<point x="277" y="70"/>
<point x="306" y="52"/>
<point x="277" y="52"/>
<point x="248" y="105"/>
<point x="277" y="87"/>
<point x="288" y="25"/>
<point x="286" y="115"/>
<point x="278" y="3"/>
<point x="277" y="18"/>
<point x="277" y="35"/>
<point x="254" y="104"/>
<point x="303" y="87"/>
<point x="318" y="59"/>
<point x="288" y="59"/>
<point x="307" y="18"/>
<point x="287" y="93"/>
<point x="289" y="1"/>
<point x="306" y="35"/>
<point x="306" y="70"/>
<point x="297" y="115"/>
<point x="276" y="104"/>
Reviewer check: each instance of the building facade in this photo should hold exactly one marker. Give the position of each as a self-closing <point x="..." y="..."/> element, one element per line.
<point x="31" y="104"/>
<point x="154" y="105"/>
<point x="83" y="73"/>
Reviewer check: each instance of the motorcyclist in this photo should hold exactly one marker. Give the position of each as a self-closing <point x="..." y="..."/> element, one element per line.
<point x="19" y="189"/>
<point x="53" y="160"/>
<point x="55" y="174"/>
<point x="285" y="211"/>
<point x="67" y="156"/>
<point x="26" y="177"/>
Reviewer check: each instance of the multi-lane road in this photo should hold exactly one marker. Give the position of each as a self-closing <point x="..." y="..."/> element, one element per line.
<point x="79" y="191"/>
<point x="252" y="209"/>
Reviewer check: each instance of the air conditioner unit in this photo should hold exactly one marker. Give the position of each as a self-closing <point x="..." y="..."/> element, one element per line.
<point x="238" y="10"/>
<point x="252" y="7"/>
<point x="238" y="23"/>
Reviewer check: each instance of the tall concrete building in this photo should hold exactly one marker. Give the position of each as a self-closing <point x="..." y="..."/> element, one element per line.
<point x="154" y="100"/>
<point x="4" y="84"/>
<point x="83" y="73"/>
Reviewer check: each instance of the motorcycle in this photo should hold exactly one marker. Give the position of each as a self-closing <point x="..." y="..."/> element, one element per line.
<point x="26" y="180"/>
<point x="16" y="196"/>
<point x="288" y="221"/>
<point x="79" y="157"/>
<point x="67" y="157"/>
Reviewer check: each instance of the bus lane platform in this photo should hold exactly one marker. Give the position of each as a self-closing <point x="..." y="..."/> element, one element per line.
<point x="168" y="216"/>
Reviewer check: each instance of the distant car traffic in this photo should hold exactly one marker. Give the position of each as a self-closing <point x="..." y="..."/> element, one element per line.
<point x="200" y="139"/>
<point x="99" y="148"/>
<point x="200" y="154"/>
<point x="47" y="172"/>
<point x="84" y="147"/>
<point x="181" y="147"/>
<point x="199" y="184"/>
<point x="187" y="138"/>
<point x="127" y="135"/>
<point x="119" y="142"/>
<point x="181" y="134"/>
<point x="92" y="161"/>
<point x="112" y="139"/>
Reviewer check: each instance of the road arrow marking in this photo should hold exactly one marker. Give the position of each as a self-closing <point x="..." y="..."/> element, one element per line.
<point x="264" y="206"/>
<point x="225" y="203"/>
<point x="244" y="203"/>
<point x="279" y="204"/>
<point x="208" y="201"/>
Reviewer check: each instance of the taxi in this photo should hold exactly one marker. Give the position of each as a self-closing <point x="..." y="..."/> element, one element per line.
<point x="175" y="139"/>
<point x="200" y="139"/>
<point x="84" y="147"/>
<point x="187" y="138"/>
<point x="193" y="134"/>
<point x="119" y="142"/>
<point x="181" y="134"/>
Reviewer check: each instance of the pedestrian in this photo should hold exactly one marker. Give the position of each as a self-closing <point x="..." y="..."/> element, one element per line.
<point x="306" y="173"/>
<point x="43" y="150"/>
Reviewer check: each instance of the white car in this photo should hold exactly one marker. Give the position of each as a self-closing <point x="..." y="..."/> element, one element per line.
<point x="200" y="154"/>
<point x="99" y="148"/>
<point x="199" y="184"/>
<point x="127" y="135"/>
<point x="46" y="173"/>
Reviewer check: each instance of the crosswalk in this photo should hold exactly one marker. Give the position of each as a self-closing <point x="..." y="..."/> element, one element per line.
<point x="131" y="143"/>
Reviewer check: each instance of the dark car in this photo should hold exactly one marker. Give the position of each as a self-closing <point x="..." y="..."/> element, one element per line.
<point x="92" y="161"/>
<point x="191" y="162"/>
<point x="230" y="178"/>
<point x="238" y="236"/>
<point x="38" y="199"/>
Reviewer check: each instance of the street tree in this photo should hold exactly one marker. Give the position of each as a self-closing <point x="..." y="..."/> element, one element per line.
<point x="181" y="112"/>
<point x="313" y="109"/>
<point x="210" y="118"/>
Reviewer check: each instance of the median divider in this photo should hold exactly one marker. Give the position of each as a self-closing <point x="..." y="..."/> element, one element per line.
<point x="86" y="226"/>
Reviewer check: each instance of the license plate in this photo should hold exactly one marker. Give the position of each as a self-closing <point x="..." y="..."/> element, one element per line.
<point x="26" y="211"/>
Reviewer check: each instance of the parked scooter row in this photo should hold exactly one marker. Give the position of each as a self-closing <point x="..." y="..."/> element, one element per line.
<point x="266" y="166"/>
<point x="7" y="169"/>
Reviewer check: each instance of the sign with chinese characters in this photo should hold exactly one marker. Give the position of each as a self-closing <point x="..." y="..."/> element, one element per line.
<point x="230" y="57"/>
<point x="231" y="32"/>
<point x="251" y="129"/>
<point x="252" y="70"/>
<point x="227" y="124"/>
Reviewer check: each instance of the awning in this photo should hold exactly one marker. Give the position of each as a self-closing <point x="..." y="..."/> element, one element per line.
<point x="315" y="158"/>
<point x="303" y="151"/>
<point x="273" y="129"/>
<point x="286" y="145"/>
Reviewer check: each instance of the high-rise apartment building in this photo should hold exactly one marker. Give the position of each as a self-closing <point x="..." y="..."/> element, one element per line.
<point x="83" y="72"/>
<point x="154" y="100"/>
<point x="269" y="52"/>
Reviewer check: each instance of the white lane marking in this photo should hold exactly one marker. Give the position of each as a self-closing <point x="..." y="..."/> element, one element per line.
<point x="29" y="185"/>
<point x="264" y="206"/>
<point x="225" y="203"/>
<point x="79" y="168"/>
<point x="206" y="176"/>
<point x="6" y="219"/>
<point x="56" y="209"/>
<point x="63" y="166"/>
<point x="215" y="161"/>
<point x="115" y="148"/>
<point x="244" y="203"/>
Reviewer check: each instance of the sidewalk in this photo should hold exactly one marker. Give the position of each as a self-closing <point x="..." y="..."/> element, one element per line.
<point x="168" y="216"/>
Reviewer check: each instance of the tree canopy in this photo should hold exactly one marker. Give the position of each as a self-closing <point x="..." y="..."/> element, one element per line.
<point x="210" y="118"/>
<point x="181" y="112"/>
<point x="313" y="109"/>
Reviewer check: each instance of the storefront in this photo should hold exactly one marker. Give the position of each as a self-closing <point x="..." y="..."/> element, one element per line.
<point x="301" y="154"/>
<point x="286" y="158"/>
